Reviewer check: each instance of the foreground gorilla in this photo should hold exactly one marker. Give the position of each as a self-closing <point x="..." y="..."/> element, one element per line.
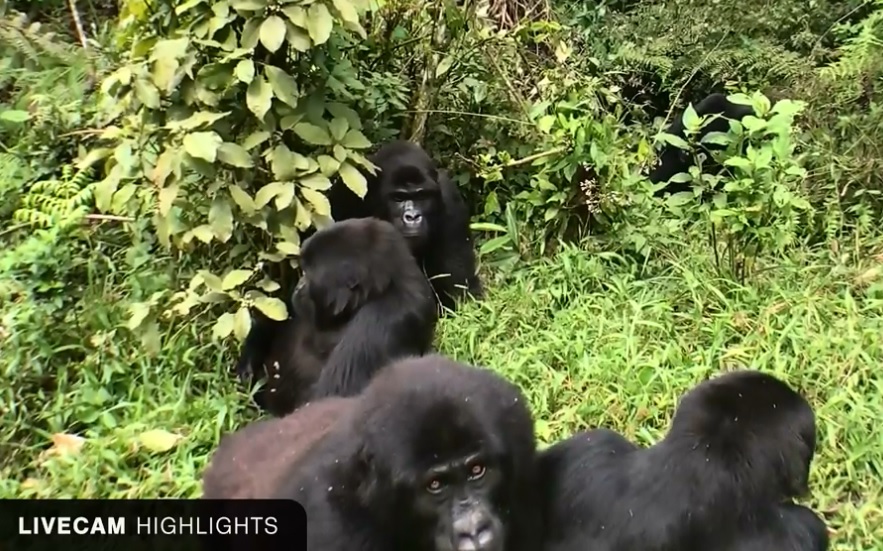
<point x="424" y="204"/>
<point x="362" y="303"/>
<point x="673" y="160"/>
<point x="432" y="456"/>
<point x="738" y="450"/>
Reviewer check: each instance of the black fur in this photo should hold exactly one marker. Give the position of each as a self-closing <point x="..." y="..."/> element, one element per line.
<point x="365" y="477"/>
<point x="739" y="445"/>
<point x="443" y="243"/>
<point x="442" y="246"/>
<point x="673" y="160"/>
<point x="362" y="303"/>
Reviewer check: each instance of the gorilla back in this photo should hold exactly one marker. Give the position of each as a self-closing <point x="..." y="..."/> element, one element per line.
<point x="362" y="303"/>
<point x="739" y="445"/>
<point x="435" y="456"/>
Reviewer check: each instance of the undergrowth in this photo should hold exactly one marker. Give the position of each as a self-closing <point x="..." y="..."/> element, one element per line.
<point x="591" y="343"/>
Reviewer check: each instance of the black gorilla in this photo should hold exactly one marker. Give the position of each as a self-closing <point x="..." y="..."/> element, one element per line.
<point x="362" y="302"/>
<point x="424" y="204"/>
<point x="673" y="160"/>
<point x="432" y="456"/>
<point x="738" y="450"/>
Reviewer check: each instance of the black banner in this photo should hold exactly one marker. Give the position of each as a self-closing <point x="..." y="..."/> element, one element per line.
<point x="152" y="524"/>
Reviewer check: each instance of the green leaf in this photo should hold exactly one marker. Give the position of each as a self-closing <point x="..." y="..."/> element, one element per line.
<point x="717" y="138"/>
<point x="92" y="157"/>
<point x="285" y="196"/>
<point x="679" y="199"/>
<point x="220" y="218"/>
<point x="285" y="164"/>
<point x="316" y="181"/>
<point x="251" y="33"/>
<point x="138" y="312"/>
<point x="674" y="140"/>
<point x="167" y="196"/>
<point x="328" y="165"/>
<point x="234" y="155"/>
<point x="159" y="441"/>
<point x="284" y="86"/>
<point x="690" y="119"/>
<point x="320" y="203"/>
<point x="269" y="285"/>
<point x="354" y="139"/>
<point x="545" y="123"/>
<point x="241" y="198"/>
<point x="312" y="134"/>
<point x="353" y="179"/>
<point x="194" y="121"/>
<point x="211" y="281"/>
<point x="296" y="15"/>
<point x="319" y="23"/>
<point x="298" y="38"/>
<point x="235" y="278"/>
<point x="242" y="324"/>
<point x="338" y="128"/>
<point x="147" y="93"/>
<point x="266" y="193"/>
<point x="224" y="326"/>
<point x="273" y="308"/>
<point x="203" y="145"/>
<point x="259" y="97"/>
<point x="444" y="66"/>
<point x="494" y="244"/>
<point x="288" y="248"/>
<point x="347" y="11"/>
<point x="487" y="226"/>
<point x="273" y="32"/>
<point x="203" y="233"/>
<point x="244" y="71"/>
<point x="249" y="5"/>
<point x="255" y="139"/>
<point x="15" y="115"/>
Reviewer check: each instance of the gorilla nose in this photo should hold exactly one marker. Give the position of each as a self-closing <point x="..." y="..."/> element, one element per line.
<point x="475" y="532"/>
<point x="412" y="217"/>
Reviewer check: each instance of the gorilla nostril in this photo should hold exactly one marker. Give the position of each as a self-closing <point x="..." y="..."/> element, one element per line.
<point x="412" y="217"/>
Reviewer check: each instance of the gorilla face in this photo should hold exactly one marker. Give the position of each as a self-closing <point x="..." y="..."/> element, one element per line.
<point x="456" y="497"/>
<point x="412" y="202"/>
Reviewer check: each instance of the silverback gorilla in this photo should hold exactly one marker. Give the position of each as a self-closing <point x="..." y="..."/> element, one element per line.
<point x="432" y="456"/>
<point x="361" y="303"/>
<point x="673" y="160"/>
<point x="423" y="203"/>
<point x="739" y="449"/>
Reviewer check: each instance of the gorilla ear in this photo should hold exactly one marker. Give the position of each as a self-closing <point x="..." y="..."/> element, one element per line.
<point x="363" y="482"/>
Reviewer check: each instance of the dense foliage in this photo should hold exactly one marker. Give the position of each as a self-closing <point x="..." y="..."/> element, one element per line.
<point x="161" y="162"/>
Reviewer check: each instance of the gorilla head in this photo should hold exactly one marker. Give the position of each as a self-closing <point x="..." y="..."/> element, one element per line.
<point x="407" y="192"/>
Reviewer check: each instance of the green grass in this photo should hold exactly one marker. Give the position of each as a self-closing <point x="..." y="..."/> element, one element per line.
<point x="590" y="343"/>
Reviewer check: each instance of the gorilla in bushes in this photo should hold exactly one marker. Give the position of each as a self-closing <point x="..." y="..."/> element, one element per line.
<point x="432" y="456"/>
<point x="739" y="449"/>
<point x="424" y="204"/>
<point x="361" y="303"/>
<point x="673" y="160"/>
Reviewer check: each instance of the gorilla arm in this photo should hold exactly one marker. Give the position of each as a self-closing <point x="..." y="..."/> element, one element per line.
<point x="380" y="332"/>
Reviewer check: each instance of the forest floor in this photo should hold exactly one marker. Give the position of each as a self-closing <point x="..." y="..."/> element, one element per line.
<point x="590" y="344"/>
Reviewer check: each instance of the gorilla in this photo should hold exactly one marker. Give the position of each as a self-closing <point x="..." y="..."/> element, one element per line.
<point x="433" y="456"/>
<point x="673" y="160"/>
<point x="738" y="450"/>
<point x="424" y="204"/>
<point x="361" y="303"/>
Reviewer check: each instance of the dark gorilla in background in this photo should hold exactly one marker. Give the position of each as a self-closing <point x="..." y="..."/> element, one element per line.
<point x="673" y="160"/>
<point x="362" y="303"/>
<point x="424" y="204"/>
<point x="432" y="456"/>
<point x="739" y="449"/>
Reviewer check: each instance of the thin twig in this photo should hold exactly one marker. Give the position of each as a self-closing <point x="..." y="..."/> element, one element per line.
<point x="81" y="34"/>
<point x="109" y="217"/>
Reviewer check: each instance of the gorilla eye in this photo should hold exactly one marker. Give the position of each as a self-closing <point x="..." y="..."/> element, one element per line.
<point x="398" y="196"/>
<point x="435" y="486"/>
<point x="477" y="471"/>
